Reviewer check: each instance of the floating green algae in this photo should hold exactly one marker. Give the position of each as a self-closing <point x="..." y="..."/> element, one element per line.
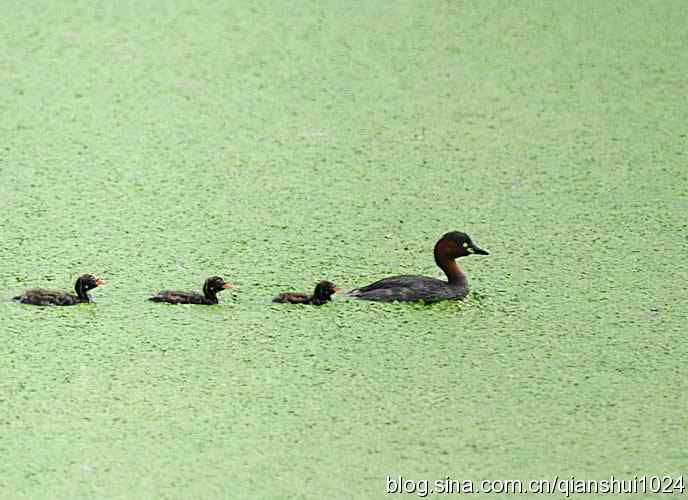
<point x="277" y="145"/>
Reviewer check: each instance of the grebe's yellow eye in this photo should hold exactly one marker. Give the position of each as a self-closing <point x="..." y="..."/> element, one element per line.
<point x="465" y="244"/>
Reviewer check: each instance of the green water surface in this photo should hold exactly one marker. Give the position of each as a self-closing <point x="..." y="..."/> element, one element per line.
<point x="278" y="143"/>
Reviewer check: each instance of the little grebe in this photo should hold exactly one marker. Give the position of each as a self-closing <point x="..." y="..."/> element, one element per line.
<point x="211" y="287"/>
<point x="410" y="287"/>
<point x="321" y="295"/>
<point x="40" y="297"/>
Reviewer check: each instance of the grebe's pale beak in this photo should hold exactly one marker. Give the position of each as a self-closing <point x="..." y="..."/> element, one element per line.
<point x="473" y="248"/>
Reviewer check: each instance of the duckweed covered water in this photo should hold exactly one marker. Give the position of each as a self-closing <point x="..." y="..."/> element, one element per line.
<point x="277" y="145"/>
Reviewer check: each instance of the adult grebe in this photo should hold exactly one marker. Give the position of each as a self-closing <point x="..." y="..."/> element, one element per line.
<point x="451" y="246"/>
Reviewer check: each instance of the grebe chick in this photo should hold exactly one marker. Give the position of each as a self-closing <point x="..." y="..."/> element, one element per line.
<point x="321" y="295"/>
<point x="211" y="288"/>
<point x="41" y="297"/>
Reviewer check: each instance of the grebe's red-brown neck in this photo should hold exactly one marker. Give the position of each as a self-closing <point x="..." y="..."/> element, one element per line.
<point x="446" y="251"/>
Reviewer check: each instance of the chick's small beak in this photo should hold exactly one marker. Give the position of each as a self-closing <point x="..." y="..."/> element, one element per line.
<point x="337" y="289"/>
<point x="100" y="282"/>
<point x="227" y="285"/>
